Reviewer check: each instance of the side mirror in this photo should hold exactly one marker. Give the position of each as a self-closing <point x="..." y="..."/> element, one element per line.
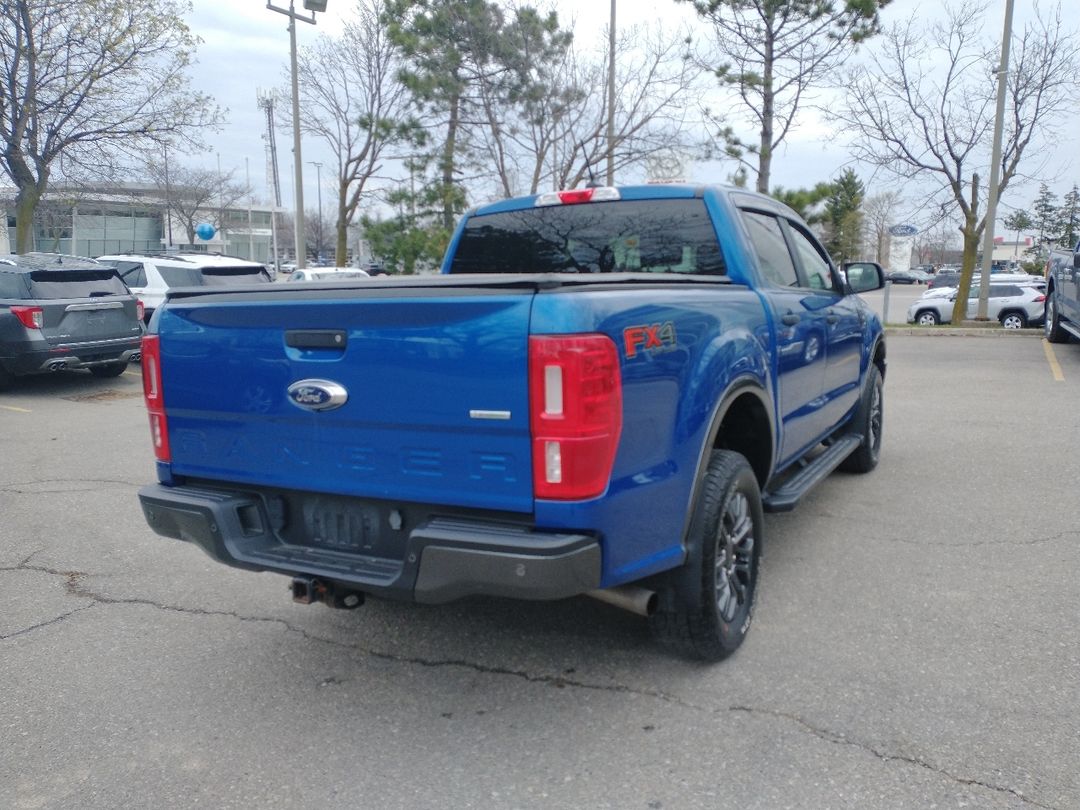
<point x="864" y="276"/>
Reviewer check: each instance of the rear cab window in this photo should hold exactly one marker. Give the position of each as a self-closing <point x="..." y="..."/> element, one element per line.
<point x="623" y="236"/>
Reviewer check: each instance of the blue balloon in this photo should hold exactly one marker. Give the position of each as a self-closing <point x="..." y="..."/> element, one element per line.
<point x="205" y="231"/>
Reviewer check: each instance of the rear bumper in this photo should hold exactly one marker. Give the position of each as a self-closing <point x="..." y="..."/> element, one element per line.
<point x="438" y="560"/>
<point x="39" y="357"/>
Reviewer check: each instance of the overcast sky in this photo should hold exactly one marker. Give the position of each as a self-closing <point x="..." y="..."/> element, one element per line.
<point x="246" y="47"/>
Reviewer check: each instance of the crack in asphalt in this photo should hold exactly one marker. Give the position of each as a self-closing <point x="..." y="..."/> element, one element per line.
<point x="908" y="540"/>
<point x="1034" y="541"/>
<point x="74" y="586"/>
<point x="841" y="739"/>
<point x="85" y="485"/>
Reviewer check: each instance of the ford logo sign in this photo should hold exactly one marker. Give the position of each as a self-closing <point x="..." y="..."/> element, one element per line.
<point x="903" y="230"/>
<point x="317" y="395"/>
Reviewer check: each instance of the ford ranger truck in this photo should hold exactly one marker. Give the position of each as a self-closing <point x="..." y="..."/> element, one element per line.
<point x="1063" y="295"/>
<point x="600" y="394"/>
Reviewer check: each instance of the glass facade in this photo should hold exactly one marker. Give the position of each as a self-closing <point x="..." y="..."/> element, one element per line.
<point x="95" y="228"/>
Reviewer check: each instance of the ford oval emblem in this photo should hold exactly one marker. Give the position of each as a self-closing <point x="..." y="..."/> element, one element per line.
<point x="318" y="395"/>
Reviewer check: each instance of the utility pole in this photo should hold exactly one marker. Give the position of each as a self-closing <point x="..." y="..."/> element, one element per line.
<point x="611" y="99"/>
<point x="301" y="246"/>
<point x="995" y="168"/>
<point x="319" y="230"/>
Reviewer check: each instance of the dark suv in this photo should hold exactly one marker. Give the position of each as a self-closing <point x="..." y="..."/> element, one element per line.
<point x="62" y="313"/>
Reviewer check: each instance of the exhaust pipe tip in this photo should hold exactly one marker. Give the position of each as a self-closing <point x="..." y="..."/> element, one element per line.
<point x="634" y="598"/>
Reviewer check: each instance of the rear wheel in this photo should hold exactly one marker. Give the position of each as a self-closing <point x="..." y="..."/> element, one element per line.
<point x="926" y="318"/>
<point x="1052" y="325"/>
<point x="109" y="370"/>
<point x="1013" y="320"/>
<point x="705" y="607"/>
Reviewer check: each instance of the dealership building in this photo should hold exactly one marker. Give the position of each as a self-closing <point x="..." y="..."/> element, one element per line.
<point x="135" y="219"/>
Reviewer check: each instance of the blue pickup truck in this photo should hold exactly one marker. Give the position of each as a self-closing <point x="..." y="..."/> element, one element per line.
<point x="600" y="394"/>
<point x="1063" y="295"/>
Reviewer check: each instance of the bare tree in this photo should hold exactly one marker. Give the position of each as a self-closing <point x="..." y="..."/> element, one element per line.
<point x="94" y="82"/>
<point x="563" y="137"/>
<point x="772" y="54"/>
<point x="879" y="214"/>
<point x="924" y="107"/>
<point x="195" y="195"/>
<point x="353" y="101"/>
<point x="932" y="244"/>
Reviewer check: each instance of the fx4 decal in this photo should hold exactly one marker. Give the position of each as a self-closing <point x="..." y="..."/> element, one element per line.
<point x="657" y="337"/>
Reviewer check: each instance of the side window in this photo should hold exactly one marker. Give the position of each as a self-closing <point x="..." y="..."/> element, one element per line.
<point x="12" y="285"/>
<point x="132" y="273"/>
<point x="814" y="265"/>
<point x="771" y="248"/>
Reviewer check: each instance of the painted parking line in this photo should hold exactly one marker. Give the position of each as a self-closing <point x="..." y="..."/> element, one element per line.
<point x="1051" y="358"/>
<point x="13" y="408"/>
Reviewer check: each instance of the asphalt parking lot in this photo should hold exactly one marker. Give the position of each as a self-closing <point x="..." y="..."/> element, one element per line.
<point x="916" y="642"/>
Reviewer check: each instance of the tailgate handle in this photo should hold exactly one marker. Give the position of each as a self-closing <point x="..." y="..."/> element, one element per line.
<point x="316" y="338"/>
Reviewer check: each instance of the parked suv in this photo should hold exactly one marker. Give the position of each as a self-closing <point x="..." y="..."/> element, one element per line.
<point x="63" y="313"/>
<point x="150" y="275"/>
<point x="1016" y="306"/>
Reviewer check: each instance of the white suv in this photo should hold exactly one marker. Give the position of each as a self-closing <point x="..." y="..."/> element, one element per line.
<point x="148" y="276"/>
<point x="1016" y="306"/>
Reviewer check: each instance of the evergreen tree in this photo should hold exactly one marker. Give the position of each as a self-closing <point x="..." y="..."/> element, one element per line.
<point x="1018" y="221"/>
<point x="462" y="57"/>
<point x="805" y="201"/>
<point x="1047" y="221"/>
<point x="843" y="216"/>
<point x="1070" y="219"/>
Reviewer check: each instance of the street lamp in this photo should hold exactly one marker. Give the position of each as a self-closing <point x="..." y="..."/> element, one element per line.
<point x="318" y="232"/>
<point x="312" y="6"/>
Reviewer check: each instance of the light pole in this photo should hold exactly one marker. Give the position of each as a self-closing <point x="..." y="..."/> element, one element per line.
<point x="318" y="232"/>
<point x="312" y="6"/>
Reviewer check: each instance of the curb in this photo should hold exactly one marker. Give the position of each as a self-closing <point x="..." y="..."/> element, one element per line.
<point x="963" y="331"/>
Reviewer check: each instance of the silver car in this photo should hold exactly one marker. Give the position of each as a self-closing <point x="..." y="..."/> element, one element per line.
<point x="1016" y="306"/>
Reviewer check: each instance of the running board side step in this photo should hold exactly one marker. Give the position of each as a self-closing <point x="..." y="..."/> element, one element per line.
<point x="1068" y="327"/>
<point x="792" y="490"/>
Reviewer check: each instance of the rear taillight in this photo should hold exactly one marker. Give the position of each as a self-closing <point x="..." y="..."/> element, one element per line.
<point x="1039" y="299"/>
<point x="140" y="310"/>
<point x="30" y="317"/>
<point x="575" y="406"/>
<point x="155" y="402"/>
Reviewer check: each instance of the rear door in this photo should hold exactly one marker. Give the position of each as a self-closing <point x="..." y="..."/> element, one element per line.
<point x="83" y="306"/>
<point x="801" y="333"/>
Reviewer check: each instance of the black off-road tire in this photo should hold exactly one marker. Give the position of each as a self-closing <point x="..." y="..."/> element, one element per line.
<point x="109" y="370"/>
<point x="868" y="421"/>
<point x="1052" y="330"/>
<point x="705" y="607"/>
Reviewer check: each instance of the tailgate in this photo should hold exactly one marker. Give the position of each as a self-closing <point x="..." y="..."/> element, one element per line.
<point x="69" y="323"/>
<point x="435" y="386"/>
